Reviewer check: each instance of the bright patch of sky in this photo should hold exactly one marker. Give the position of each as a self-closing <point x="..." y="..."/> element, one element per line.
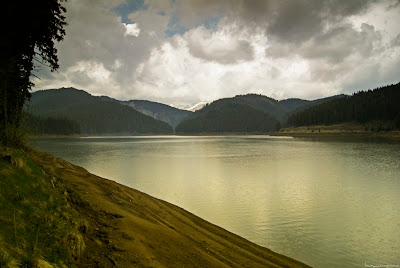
<point x="174" y="27"/>
<point x="128" y="7"/>
<point x="132" y="29"/>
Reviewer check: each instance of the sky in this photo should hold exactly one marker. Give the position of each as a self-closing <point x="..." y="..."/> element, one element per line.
<point x="181" y="52"/>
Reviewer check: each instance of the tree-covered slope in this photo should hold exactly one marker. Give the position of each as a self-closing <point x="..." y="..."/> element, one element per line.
<point x="39" y="125"/>
<point x="225" y="115"/>
<point x="295" y="105"/>
<point x="163" y="112"/>
<point x="262" y="103"/>
<point x="94" y="115"/>
<point x="280" y="110"/>
<point x="381" y="104"/>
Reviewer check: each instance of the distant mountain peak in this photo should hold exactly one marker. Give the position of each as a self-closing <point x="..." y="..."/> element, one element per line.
<point x="197" y="106"/>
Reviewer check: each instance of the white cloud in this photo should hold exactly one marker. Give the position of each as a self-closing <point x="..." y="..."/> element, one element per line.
<point x="225" y="46"/>
<point x="252" y="47"/>
<point x="131" y="29"/>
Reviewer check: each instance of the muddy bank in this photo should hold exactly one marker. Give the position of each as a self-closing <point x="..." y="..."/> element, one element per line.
<point x="127" y="228"/>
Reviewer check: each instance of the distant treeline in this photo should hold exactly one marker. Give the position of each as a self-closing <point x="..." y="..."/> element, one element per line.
<point x="381" y="104"/>
<point x="225" y="116"/>
<point x="39" y="125"/>
<point x="71" y="111"/>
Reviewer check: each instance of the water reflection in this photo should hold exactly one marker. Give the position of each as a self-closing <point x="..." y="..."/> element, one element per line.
<point x="329" y="203"/>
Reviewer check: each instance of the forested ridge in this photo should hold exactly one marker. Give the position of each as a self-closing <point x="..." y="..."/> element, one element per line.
<point x="39" y="125"/>
<point x="159" y="111"/>
<point x="380" y="104"/>
<point x="261" y="103"/>
<point x="227" y="116"/>
<point x="94" y="115"/>
<point x="294" y="105"/>
<point x="249" y="113"/>
<point x="163" y="112"/>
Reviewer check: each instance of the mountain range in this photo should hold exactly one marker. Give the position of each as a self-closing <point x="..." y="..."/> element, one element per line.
<point x="95" y="115"/>
<point x="249" y="113"/>
<point x="171" y="115"/>
<point x="227" y="116"/>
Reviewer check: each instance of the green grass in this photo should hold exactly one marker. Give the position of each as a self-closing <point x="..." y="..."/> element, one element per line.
<point x="38" y="227"/>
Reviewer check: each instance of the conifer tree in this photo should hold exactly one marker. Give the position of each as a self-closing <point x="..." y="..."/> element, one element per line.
<point x="29" y="31"/>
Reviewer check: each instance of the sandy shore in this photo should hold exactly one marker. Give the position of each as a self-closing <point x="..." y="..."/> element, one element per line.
<point x="127" y="228"/>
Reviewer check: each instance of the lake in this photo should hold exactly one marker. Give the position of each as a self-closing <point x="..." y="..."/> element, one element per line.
<point x="326" y="202"/>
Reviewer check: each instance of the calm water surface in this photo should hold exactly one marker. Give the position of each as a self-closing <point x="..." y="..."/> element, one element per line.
<point x="328" y="203"/>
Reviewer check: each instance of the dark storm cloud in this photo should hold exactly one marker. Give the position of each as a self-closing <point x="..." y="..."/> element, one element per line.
<point x="298" y="21"/>
<point x="294" y="21"/>
<point x="340" y="42"/>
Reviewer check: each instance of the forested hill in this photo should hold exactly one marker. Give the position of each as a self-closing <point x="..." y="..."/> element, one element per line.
<point x="94" y="115"/>
<point x="163" y="112"/>
<point x="292" y="105"/>
<point x="280" y="110"/>
<point x="381" y="104"/>
<point x="261" y="103"/>
<point x="47" y="125"/>
<point x="168" y="114"/>
<point x="227" y="115"/>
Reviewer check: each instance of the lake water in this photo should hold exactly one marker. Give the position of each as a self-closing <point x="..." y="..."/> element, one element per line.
<point x="326" y="202"/>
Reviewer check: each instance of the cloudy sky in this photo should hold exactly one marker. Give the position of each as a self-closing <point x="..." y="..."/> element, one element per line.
<point x="181" y="52"/>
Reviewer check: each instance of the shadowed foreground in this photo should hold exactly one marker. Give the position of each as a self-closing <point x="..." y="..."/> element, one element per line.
<point x="127" y="228"/>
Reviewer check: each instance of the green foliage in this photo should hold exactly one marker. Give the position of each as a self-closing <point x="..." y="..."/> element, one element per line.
<point x="227" y="116"/>
<point x="25" y="43"/>
<point x="37" y="225"/>
<point x="16" y="136"/>
<point x="94" y="114"/>
<point x="39" y="125"/>
<point x="381" y="104"/>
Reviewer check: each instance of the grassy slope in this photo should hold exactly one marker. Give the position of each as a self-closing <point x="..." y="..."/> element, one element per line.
<point x="119" y="226"/>
<point x="37" y="224"/>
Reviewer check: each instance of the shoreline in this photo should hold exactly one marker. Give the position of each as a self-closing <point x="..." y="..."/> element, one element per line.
<point x="155" y="135"/>
<point x="132" y="228"/>
<point x="386" y="135"/>
<point x="394" y="135"/>
<point x="338" y="130"/>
